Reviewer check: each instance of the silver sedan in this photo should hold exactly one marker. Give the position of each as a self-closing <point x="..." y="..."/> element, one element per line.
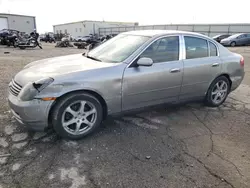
<point x="133" y="70"/>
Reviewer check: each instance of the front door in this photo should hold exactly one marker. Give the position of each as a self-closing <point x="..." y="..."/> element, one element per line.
<point x="248" y="39"/>
<point x="201" y="66"/>
<point x="242" y="39"/>
<point x="143" y="86"/>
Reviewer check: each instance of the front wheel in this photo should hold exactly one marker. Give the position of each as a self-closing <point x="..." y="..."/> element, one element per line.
<point x="233" y="44"/>
<point x="77" y="115"/>
<point x="22" y="47"/>
<point x="218" y="91"/>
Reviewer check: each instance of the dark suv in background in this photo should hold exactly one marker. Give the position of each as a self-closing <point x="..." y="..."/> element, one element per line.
<point x="218" y="38"/>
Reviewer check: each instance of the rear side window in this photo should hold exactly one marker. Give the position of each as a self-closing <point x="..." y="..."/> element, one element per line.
<point x="213" y="49"/>
<point x="195" y="47"/>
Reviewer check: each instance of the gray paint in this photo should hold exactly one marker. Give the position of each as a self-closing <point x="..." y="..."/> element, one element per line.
<point x="20" y="22"/>
<point x="123" y="86"/>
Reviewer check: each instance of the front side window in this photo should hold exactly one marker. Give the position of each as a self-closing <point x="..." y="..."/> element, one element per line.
<point x="163" y="50"/>
<point x="119" y="48"/>
<point x="241" y="36"/>
<point x="213" y="49"/>
<point x="195" y="47"/>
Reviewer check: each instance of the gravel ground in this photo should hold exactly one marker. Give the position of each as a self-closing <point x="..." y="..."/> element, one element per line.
<point x="179" y="146"/>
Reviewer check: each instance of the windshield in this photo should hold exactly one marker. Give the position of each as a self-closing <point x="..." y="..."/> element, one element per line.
<point x="216" y="36"/>
<point x="118" y="48"/>
<point x="234" y="36"/>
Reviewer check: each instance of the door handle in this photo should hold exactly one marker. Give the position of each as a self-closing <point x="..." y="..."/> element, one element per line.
<point x="175" y="70"/>
<point x="215" y="64"/>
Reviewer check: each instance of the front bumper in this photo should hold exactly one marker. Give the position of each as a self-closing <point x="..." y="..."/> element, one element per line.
<point x="33" y="114"/>
<point x="225" y="43"/>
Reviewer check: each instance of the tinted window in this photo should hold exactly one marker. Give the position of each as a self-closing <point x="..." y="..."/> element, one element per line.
<point x="196" y="47"/>
<point x="213" y="49"/>
<point x="118" y="48"/>
<point x="163" y="50"/>
<point x="241" y="36"/>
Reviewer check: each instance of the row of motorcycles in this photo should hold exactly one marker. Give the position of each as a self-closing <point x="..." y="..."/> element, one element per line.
<point x="14" y="38"/>
<point x="92" y="41"/>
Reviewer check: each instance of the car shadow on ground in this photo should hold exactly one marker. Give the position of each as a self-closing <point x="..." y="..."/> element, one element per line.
<point x="178" y="145"/>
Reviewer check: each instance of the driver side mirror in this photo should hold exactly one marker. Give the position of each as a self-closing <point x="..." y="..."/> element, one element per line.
<point x="145" y="61"/>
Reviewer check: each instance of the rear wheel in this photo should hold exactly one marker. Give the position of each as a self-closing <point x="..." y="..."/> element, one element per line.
<point x="218" y="91"/>
<point x="77" y="115"/>
<point x="233" y="44"/>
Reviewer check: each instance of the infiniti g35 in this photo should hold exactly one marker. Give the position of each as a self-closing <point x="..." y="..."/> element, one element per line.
<point x="73" y="94"/>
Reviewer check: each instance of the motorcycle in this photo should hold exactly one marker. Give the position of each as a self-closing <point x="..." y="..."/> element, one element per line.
<point x="49" y="39"/>
<point x="12" y="41"/>
<point x="6" y="36"/>
<point x="64" y="43"/>
<point x="28" y="43"/>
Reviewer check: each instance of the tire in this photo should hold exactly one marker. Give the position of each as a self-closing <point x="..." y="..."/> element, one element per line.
<point x="233" y="44"/>
<point x="220" y="93"/>
<point x="65" y="105"/>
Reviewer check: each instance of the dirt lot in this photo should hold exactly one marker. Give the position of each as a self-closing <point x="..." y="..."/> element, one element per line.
<point x="174" y="147"/>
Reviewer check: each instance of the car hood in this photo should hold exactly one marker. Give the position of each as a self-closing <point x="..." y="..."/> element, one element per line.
<point x="57" y="66"/>
<point x="226" y="39"/>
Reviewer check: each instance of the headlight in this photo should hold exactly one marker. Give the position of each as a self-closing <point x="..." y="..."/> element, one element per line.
<point x="30" y="90"/>
<point x="43" y="83"/>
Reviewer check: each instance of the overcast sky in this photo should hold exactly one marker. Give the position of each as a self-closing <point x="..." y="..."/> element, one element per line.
<point x="51" y="12"/>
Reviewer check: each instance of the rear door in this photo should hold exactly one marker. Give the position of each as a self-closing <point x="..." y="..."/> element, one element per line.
<point x="201" y="65"/>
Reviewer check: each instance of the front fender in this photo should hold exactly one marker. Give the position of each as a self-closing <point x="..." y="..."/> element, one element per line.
<point x="112" y="97"/>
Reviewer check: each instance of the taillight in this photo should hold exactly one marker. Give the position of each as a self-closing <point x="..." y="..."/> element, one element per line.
<point x="242" y="62"/>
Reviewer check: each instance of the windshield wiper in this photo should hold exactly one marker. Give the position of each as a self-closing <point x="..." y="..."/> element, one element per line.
<point x="90" y="57"/>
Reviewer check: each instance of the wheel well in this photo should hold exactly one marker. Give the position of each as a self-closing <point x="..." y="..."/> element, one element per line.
<point x="228" y="77"/>
<point x="99" y="97"/>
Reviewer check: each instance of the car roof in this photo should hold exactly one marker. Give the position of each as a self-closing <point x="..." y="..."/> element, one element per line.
<point x="152" y="33"/>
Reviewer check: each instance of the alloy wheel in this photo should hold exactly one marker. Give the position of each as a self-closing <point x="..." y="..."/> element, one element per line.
<point x="219" y="92"/>
<point x="79" y="117"/>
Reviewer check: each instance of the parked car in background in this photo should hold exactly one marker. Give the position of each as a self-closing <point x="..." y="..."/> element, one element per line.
<point x="236" y="40"/>
<point x="41" y="37"/>
<point x="82" y="38"/>
<point x="136" y="69"/>
<point x="218" y="38"/>
<point x="49" y="38"/>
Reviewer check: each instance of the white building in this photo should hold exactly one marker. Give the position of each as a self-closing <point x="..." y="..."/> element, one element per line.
<point x="87" y="27"/>
<point x="21" y="23"/>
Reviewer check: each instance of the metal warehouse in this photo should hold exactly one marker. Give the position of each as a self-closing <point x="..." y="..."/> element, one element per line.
<point x="87" y="27"/>
<point x="17" y="22"/>
<point x="206" y="29"/>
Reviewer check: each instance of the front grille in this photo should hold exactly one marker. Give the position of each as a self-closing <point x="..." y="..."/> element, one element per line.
<point x="14" y="88"/>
